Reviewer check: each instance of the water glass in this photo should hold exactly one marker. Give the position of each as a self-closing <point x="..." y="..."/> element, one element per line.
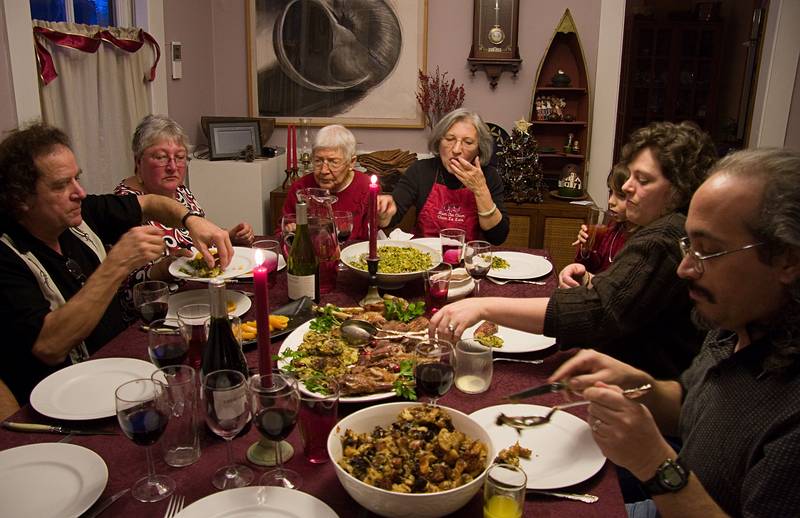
<point x="437" y="284"/>
<point x="504" y="491"/>
<point x="271" y="252"/>
<point x="473" y="366"/>
<point x="318" y="416"/>
<point x="193" y="321"/>
<point x="180" y="443"/>
<point x="452" y="244"/>
<point x="165" y="343"/>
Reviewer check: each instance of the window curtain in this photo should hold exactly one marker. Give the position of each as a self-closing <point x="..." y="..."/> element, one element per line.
<point x="93" y="85"/>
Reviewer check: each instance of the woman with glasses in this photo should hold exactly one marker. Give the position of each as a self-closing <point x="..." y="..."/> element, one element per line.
<point x="333" y="156"/>
<point x="637" y="310"/>
<point x="457" y="188"/>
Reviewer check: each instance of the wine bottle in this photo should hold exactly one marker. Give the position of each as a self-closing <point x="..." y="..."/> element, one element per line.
<point x="302" y="273"/>
<point x="222" y="350"/>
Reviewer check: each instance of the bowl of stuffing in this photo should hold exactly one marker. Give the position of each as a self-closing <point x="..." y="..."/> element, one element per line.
<point x="398" y="458"/>
<point x="400" y="261"/>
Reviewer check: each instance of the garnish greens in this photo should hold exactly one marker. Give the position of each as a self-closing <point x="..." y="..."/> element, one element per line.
<point x="404" y="384"/>
<point x="404" y="313"/>
<point x="326" y="321"/>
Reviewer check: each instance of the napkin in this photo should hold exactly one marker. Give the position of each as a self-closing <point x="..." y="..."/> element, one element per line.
<point x="399" y="235"/>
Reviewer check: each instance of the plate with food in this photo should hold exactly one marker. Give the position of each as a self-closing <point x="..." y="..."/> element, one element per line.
<point x="282" y="321"/>
<point x="195" y="268"/>
<point x="557" y="454"/>
<point x="506" y="339"/>
<point x="380" y="370"/>
<point x="400" y="261"/>
<point x="251" y="253"/>
<point x="237" y="302"/>
<point x="519" y="265"/>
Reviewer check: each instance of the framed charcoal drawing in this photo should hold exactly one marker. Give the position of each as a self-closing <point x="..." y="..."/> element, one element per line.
<point x="351" y="62"/>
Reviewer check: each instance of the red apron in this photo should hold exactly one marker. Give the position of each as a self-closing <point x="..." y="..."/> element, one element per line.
<point x="449" y="208"/>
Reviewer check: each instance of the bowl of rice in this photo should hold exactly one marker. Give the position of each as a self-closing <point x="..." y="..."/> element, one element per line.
<point x="399" y="261"/>
<point x="408" y="459"/>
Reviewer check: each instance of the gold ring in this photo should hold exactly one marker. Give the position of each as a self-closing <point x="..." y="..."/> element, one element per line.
<point x="451" y="328"/>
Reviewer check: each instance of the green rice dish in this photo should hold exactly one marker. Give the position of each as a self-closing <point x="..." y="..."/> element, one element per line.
<point x="397" y="259"/>
<point x="498" y="263"/>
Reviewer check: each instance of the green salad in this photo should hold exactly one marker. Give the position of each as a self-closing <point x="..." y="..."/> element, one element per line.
<point x="397" y="259"/>
<point x="498" y="263"/>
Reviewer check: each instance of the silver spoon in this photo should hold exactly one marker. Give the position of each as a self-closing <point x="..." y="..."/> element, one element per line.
<point x="358" y="333"/>
<point x="580" y="497"/>
<point x="503" y="282"/>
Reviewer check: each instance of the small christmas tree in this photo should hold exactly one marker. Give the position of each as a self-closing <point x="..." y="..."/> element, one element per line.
<point x="518" y="161"/>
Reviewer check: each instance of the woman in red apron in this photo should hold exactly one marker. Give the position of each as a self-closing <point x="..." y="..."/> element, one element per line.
<point x="457" y="188"/>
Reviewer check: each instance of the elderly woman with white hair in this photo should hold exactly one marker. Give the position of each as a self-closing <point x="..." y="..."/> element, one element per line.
<point x="333" y="156"/>
<point x="457" y="188"/>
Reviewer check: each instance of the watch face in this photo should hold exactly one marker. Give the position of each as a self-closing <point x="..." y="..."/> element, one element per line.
<point x="672" y="476"/>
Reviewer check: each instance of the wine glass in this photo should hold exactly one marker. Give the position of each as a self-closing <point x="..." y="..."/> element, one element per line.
<point x="435" y="368"/>
<point x="143" y="411"/>
<point x="166" y="345"/>
<point x="478" y="261"/>
<point x="288" y="226"/>
<point x="227" y="405"/>
<point x="276" y="403"/>
<point x="150" y="299"/>
<point x="344" y="227"/>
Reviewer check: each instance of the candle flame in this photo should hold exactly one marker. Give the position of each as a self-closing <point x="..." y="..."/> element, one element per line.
<point x="373" y="179"/>
<point x="259" y="256"/>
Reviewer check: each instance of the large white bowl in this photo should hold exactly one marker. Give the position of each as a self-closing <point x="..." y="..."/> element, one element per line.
<point x="352" y="253"/>
<point x="398" y="505"/>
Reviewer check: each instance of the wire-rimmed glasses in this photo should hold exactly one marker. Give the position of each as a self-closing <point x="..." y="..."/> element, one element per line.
<point x="697" y="258"/>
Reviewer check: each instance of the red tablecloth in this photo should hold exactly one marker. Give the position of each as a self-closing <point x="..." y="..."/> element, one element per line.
<point x="126" y="461"/>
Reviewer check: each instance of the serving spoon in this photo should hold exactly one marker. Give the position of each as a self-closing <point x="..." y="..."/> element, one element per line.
<point x="358" y="333"/>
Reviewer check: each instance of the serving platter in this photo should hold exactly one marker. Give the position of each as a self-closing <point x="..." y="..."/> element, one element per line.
<point x="563" y="451"/>
<point x="354" y="252"/>
<point x="514" y="340"/>
<point x="521" y="266"/>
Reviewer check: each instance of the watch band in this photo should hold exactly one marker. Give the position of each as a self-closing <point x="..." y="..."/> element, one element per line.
<point x="188" y="215"/>
<point x="670" y="477"/>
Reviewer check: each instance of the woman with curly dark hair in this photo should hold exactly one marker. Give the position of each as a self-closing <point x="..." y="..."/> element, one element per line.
<point x="637" y="310"/>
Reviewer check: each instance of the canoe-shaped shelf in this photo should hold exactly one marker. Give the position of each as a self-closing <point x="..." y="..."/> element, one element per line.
<point x="561" y="91"/>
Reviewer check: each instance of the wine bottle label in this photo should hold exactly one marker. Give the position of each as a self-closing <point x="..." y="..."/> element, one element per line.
<point x="230" y="404"/>
<point x="300" y="286"/>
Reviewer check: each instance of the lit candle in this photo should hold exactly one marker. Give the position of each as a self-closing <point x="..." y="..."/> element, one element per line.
<point x="260" y="272"/>
<point x="374" y="189"/>
<point x="294" y="146"/>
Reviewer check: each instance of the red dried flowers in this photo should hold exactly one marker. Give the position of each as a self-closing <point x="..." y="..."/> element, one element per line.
<point x="438" y="97"/>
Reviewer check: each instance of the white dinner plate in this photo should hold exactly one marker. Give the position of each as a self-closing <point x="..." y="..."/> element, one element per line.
<point x="185" y="298"/>
<point x="521" y="266"/>
<point x="251" y="253"/>
<point x="258" y="501"/>
<point x="242" y="263"/>
<point x="514" y="340"/>
<point x="294" y="340"/>
<point x="431" y="242"/>
<point x="86" y="390"/>
<point x="46" y="480"/>
<point x="563" y="451"/>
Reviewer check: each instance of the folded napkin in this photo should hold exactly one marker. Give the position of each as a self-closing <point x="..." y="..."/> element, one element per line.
<point x="399" y="235"/>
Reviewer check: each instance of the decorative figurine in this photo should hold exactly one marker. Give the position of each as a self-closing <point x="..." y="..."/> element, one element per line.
<point x="560" y="79"/>
<point x="568" y="145"/>
<point x="570" y="183"/>
<point x="576" y="147"/>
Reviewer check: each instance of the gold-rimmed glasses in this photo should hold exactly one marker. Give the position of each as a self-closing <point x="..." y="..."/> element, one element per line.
<point x="334" y="164"/>
<point x="697" y="259"/>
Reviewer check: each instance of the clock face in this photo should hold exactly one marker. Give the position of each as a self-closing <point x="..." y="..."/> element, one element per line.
<point x="495" y="25"/>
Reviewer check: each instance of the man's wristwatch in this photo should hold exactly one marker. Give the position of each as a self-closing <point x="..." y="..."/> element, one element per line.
<point x="188" y="215"/>
<point x="670" y="477"/>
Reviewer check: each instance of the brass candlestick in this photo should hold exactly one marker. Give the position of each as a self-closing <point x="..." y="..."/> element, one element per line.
<point x="305" y="159"/>
<point x="372" y="296"/>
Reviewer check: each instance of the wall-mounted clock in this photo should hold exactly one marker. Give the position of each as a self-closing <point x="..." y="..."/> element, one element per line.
<point x="494" y="37"/>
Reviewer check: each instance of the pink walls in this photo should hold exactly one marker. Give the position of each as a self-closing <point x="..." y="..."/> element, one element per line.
<point x="8" y="111"/>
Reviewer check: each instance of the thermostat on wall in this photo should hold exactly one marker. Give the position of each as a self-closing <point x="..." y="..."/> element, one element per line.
<point x="177" y="68"/>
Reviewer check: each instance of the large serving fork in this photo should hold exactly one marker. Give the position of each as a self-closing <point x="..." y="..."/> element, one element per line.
<point x="174" y="506"/>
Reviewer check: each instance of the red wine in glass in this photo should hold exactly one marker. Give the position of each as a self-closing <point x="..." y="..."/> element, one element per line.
<point x="436" y="296"/>
<point x="343" y="236"/>
<point x="275" y="423"/>
<point x="479" y="272"/>
<point x="434" y="379"/>
<point x="168" y="354"/>
<point x="451" y="253"/>
<point x="143" y="424"/>
<point x="151" y="311"/>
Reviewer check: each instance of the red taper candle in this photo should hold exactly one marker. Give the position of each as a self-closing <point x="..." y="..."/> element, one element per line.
<point x="374" y="189"/>
<point x="260" y="272"/>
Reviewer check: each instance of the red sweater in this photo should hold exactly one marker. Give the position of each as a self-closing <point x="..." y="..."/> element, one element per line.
<point x="605" y="249"/>
<point x="354" y="198"/>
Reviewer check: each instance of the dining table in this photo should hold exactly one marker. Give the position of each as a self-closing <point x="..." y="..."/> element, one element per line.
<point x="126" y="461"/>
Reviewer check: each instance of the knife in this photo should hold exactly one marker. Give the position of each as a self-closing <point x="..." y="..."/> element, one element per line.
<point x="46" y="428"/>
<point x="102" y="505"/>
<point x="537" y="391"/>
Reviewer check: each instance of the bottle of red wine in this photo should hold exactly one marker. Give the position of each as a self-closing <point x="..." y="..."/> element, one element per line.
<point x="302" y="271"/>
<point x="222" y="351"/>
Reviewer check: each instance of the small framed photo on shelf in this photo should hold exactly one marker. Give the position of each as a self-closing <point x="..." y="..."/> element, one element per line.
<point x="229" y="140"/>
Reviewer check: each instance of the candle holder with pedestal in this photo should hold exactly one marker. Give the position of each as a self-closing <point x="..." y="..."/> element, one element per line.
<point x="372" y="296"/>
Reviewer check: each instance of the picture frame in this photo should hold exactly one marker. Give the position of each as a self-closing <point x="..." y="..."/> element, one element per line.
<point x="304" y="63"/>
<point x="227" y="140"/>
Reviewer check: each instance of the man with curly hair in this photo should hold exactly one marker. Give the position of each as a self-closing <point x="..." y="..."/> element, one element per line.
<point x="64" y="254"/>
<point x="637" y="310"/>
<point x="737" y="408"/>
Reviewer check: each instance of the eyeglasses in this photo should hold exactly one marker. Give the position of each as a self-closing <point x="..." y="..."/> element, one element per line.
<point x="698" y="258"/>
<point x="450" y="141"/>
<point x="75" y="270"/>
<point x="163" y="160"/>
<point x="334" y="164"/>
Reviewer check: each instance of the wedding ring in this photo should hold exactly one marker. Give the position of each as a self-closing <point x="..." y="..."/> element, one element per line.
<point x="451" y="328"/>
<point x="596" y="425"/>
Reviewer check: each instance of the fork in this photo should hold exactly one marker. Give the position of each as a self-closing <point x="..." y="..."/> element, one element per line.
<point x="503" y="282"/>
<point x="174" y="506"/>
<point x="500" y="359"/>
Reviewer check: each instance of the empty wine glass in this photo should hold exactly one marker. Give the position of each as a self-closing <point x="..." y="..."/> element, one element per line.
<point x="478" y="261"/>
<point x="150" y="299"/>
<point x="435" y="368"/>
<point x="227" y="405"/>
<point x="344" y="228"/>
<point x="143" y="410"/>
<point x="276" y="403"/>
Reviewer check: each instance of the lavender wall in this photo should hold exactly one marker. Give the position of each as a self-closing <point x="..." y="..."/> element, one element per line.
<point x="8" y="110"/>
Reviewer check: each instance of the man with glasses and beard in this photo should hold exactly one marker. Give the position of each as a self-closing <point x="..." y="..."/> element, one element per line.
<point x="737" y="408"/>
<point x="64" y="254"/>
